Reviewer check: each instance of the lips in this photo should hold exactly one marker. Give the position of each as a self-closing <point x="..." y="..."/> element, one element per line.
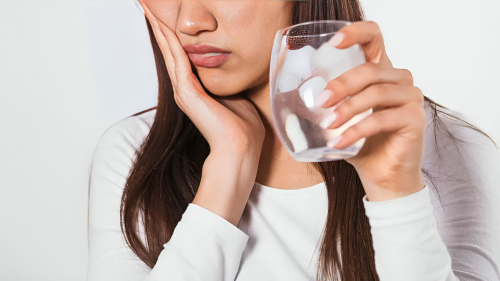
<point x="204" y="55"/>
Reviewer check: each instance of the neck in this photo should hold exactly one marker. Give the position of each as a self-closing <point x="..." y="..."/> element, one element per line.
<point x="277" y="168"/>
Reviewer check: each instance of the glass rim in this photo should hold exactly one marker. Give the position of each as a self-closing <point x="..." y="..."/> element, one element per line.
<point x="281" y="31"/>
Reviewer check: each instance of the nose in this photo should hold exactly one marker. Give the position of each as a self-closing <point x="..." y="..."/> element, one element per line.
<point x="195" y="17"/>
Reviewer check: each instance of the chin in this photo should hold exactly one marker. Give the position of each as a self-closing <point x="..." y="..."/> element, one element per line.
<point x="218" y="91"/>
<point x="222" y="87"/>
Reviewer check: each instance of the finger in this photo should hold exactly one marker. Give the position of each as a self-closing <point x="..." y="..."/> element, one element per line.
<point x="408" y="119"/>
<point x="376" y="96"/>
<point x="169" y="63"/>
<point x="183" y="79"/>
<point x="164" y="38"/>
<point x="162" y="42"/>
<point x="180" y="58"/>
<point x="369" y="37"/>
<point x="160" y="38"/>
<point x="349" y="83"/>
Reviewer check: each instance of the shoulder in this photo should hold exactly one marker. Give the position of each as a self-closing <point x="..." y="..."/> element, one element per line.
<point x="459" y="161"/>
<point x="448" y="134"/>
<point x="462" y="163"/>
<point x="130" y="131"/>
<point x="113" y="155"/>
<point x="111" y="164"/>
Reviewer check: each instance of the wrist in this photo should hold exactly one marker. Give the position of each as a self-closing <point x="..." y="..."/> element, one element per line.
<point x="226" y="183"/>
<point x="384" y="191"/>
<point x="249" y="150"/>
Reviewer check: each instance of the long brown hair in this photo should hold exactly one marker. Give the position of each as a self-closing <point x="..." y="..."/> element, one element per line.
<point x="167" y="171"/>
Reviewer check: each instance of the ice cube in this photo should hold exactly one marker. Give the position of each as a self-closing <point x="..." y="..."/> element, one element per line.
<point x="295" y="69"/>
<point x="326" y="55"/>
<point x="337" y="61"/>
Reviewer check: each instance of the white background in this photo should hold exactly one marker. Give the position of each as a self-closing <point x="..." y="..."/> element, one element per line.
<point x="70" y="69"/>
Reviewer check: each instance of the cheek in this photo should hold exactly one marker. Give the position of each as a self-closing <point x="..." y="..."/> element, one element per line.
<point x="250" y="33"/>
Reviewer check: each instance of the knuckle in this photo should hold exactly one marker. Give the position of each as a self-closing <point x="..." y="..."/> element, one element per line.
<point x="339" y="85"/>
<point x="420" y="117"/>
<point x="339" y="80"/>
<point x="375" y="25"/>
<point x="420" y="100"/>
<point x="419" y="96"/>
<point x="414" y="109"/>
<point x="379" y="90"/>
<point x="406" y="75"/>
<point x="420" y="109"/>
<point x="373" y="69"/>
<point x="384" y="117"/>
<point x="343" y="110"/>
<point x="380" y="119"/>
<point x="353" y="131"/>
<point x="417" y="112"/>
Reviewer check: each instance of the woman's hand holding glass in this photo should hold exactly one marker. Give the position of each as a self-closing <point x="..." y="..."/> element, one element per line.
<point x="390" y="162"/>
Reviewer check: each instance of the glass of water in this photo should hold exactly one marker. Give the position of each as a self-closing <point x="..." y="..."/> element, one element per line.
<point x="302" y="63"/>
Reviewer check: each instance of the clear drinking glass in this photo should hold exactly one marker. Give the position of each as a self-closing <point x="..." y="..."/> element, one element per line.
<point x="302" y="63"/>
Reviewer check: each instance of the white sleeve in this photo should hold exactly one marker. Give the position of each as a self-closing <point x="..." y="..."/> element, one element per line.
<point x="450" y="230"/>
<point x="406" y="241"/>
<point x="204" y="246"/>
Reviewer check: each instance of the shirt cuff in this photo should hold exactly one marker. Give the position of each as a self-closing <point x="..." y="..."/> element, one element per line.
<point x="211" y="223"/>
<point x="400" y="210"/>
<point x="203" y="246"/>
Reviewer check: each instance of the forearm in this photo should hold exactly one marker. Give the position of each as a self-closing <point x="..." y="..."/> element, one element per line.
<point x="227" y="180"/>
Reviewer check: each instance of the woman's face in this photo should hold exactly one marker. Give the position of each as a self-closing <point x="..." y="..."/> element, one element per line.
<point x="246" y="29"/>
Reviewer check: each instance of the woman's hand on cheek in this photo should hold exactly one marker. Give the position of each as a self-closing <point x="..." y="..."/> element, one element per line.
<point x="227" y="123"/>
<point x="390" y="162"/>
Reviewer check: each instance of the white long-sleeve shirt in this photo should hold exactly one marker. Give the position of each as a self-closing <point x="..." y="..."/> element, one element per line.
<point x="418" y="237"/>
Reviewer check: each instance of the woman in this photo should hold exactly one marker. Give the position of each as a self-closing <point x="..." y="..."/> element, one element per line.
<point x="204" y="190"/>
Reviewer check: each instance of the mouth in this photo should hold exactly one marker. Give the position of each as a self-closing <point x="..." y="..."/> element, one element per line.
<point x="204" y="55"/>
<point x="209" y="60"/>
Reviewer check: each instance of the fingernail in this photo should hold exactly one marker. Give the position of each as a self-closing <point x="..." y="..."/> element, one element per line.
<point x="323" y="97"/>
<point x="331" y="143"/>
<point x="336" y="39"/>
<point x="328" y="120"/>
<point x="139" y="6"/>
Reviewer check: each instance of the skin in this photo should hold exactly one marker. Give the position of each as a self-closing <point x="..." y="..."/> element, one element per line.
<point x="226" y="25"/>
<point x="236" y="119"/>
